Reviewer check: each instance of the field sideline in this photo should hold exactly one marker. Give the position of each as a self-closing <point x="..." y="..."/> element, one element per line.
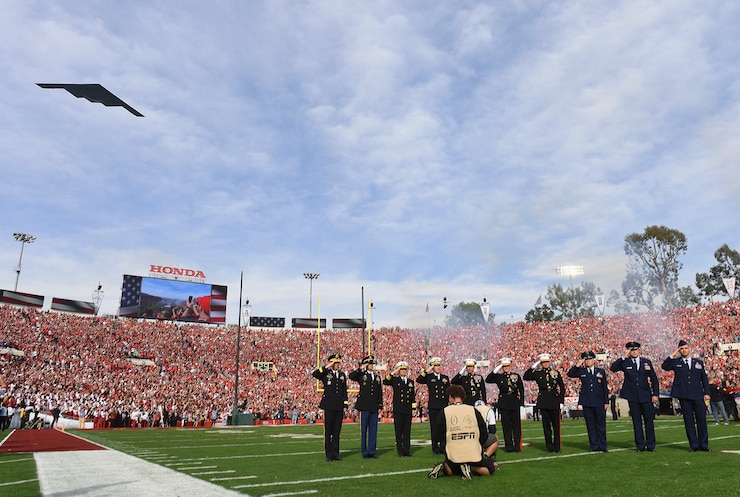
<point x="288" y="460"/>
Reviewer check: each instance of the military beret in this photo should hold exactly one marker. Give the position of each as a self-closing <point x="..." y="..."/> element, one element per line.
<point x="633" y="345"/>
<point x="588" y="355"/>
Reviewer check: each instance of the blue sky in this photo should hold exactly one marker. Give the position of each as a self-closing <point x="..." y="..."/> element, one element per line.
<point x="417" y="149"/>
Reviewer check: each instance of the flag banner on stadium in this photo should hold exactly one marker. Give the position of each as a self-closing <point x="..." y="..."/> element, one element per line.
<point x="340" y="323"/>
<point x="308" y="323"/>
<point x="130" y="296"/>
<point x="265" y="322"/>
<point x="76" y="306"/>
<point x="24" y="299"/>
<point x="218" y="304"/>
<point x="729" y="286"/>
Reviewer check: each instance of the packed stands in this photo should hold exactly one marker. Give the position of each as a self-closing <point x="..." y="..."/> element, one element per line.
<point x="146" y="372"/>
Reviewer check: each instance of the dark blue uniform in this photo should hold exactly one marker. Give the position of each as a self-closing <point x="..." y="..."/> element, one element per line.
<point x="369" y="402"/>
<point x="438" y="400"/>
<point x="333" y="402"/>
<point x="551" y="395"/>
<point x="690" y="385"/>
<point x="404" y="403"/>
<point x="510" y="401"/>
<point x="594" y="396"/>
<point x="639" y="387"/>
<point x="475" y="387"/>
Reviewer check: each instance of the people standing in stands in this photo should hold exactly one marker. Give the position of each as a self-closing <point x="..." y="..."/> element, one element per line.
<point x="691" y="388"/>
<point x="333" y="401"/>
<point x="549" y="399"/>
<point x="404" y="403"/>
<point x="369" y="402"/>
<point x="475" y="387"/>
<point x="593" y="398"/>
<point x="510" y="401"/>
<point x="641" y="389"/>
<point x="437" y="383"/>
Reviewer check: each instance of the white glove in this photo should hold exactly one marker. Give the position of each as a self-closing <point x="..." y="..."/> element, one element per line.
<point x="561" y="406"/>
<point x="536" y="363"/>
<point x="497" y="368"/>
<point x="464" y="371"/>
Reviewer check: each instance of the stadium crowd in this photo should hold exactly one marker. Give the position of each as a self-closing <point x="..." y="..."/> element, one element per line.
<point x="130" y="372"/>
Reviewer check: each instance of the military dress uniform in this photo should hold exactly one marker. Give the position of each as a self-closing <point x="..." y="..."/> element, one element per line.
<point x="551" y="396"/>
<point x="510" y="401"/>
<point x="475" y="387"/>
<point x="437" y="384"/>
<point x="638" y="389"/>
<point x="404" y="403"/>
<point x="594" y="397"/>
<point x="369" y="402"/>
<point x="690" y="386"/>
<point x="333" y="402"/>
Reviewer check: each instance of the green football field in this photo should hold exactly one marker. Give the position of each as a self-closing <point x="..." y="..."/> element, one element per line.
<point x="289" y="460"/>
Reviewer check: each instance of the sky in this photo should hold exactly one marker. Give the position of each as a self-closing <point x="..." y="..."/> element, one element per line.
<point x="405" y="151"/>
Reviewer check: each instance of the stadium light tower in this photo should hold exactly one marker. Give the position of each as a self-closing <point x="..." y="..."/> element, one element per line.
<point x="24" y="238"/>
<point x="310" y="277"/>
<point x="570" y="271"/>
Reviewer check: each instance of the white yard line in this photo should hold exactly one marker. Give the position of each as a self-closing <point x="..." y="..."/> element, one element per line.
<point x="109" y="473"/>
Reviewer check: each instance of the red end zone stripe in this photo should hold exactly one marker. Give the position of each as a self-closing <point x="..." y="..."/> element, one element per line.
<point x="48" y="440"/>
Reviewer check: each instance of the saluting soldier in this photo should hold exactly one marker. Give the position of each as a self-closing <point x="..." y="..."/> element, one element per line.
<point x="550" y="399"/>
<point x="594" y="398"/>
<point x="510" y="400"/>
<point x="333" y="402"/>
<point x="369" y="402"/>
<point x="404" y="403"/>
<point x="641" y="389"/>
<point x="437" y="384"/>
<point x="475" y="387"/>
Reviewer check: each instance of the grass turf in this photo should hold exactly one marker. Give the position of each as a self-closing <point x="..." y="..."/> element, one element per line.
<point x="289" y="460"/>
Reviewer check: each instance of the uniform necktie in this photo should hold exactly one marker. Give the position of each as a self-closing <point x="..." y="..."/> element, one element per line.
<point x="591" y="371"/>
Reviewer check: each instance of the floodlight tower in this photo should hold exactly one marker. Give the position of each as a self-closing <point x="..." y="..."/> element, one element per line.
<point x="570" y="271"/>
<point x="24" y="238"/>
<point x="310" y="277"/>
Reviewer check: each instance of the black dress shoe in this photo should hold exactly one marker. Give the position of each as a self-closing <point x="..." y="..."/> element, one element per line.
<point x="329" y="459"/>
<point x="693" y="450"/>
<point x="337" y="458"/>
<point x="640" y="449"/>
<point x="372" y="456"/>
<point x="706" y="449"/>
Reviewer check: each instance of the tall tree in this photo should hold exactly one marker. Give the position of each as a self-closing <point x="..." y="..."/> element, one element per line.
<point x="565" y="303"/>
<point x="653" y="267"/>
<point x="711" y="284"/>
<point x="467" y="314"/>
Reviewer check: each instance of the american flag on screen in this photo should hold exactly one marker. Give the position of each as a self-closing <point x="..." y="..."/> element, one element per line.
<point x="130" y="296"/>
<point x="218" y="304"/>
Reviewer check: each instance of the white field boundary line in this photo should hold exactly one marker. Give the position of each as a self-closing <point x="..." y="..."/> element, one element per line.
<point x="394" y="473"/>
